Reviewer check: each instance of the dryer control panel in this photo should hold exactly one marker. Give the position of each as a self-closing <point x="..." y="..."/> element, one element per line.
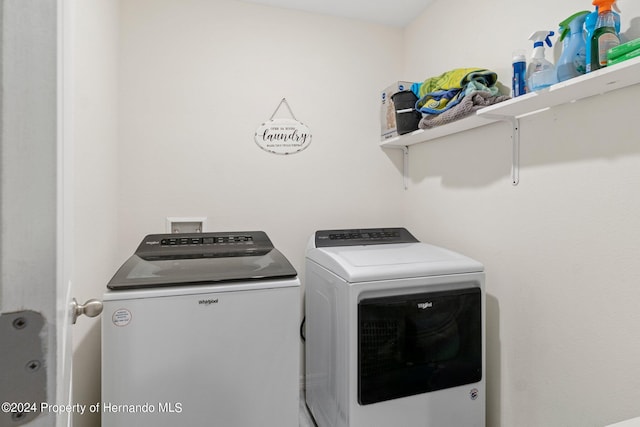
<point x="363" y="236"/>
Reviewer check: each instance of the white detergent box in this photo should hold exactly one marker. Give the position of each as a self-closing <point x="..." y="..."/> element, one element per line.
<point x="388" y="111"/>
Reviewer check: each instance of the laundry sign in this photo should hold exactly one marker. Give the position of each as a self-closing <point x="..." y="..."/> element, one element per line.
<point x="283" y="136"/>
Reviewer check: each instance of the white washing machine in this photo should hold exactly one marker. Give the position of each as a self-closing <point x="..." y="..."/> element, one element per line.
<point x="202" y="329"/>
<point x="394" y="332"/>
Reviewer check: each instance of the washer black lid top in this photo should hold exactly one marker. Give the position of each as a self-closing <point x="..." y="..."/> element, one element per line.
<point x="201" y="258"/>
<point x="363" y="236"/>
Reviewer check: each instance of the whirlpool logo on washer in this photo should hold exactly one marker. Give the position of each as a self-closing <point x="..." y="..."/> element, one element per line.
<point x="425" y="305"/>
<point x="208" y="301"/>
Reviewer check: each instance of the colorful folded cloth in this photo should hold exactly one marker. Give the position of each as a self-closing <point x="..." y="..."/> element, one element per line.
<point x="438" y="94"/>
<point x="466" y="106"/>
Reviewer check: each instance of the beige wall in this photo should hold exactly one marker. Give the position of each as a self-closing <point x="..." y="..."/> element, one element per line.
<point x="197" y="78"/>
<point x="169" y="94"/>
<point x="168" y="97"/>
<point x="95" y="59"/>
<point x="560" y="249"/>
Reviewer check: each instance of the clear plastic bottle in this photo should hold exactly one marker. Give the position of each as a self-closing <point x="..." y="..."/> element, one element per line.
<point x="604" y="36"/>
<point x="540" y="73"/>
<point x="590" y="26"/>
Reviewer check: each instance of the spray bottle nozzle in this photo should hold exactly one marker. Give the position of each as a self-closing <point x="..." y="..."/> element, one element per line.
<point x="605" y="5"/>
<point x="575" y="20"/>
<point x="538" y="37"/>
<point x="542" y="36"/>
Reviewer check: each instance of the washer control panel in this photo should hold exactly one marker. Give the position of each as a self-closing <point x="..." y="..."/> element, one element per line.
<point x="209" y="240"/>
<point x="363" y="236"/>
<point x="196" y="245"/>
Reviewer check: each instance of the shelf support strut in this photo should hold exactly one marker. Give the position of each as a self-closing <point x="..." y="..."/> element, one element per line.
<point x="405" y="166"/>
<point x="515" y="151"/>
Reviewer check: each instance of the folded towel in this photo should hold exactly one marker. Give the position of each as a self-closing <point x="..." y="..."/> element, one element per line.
<point x="466" y="106"/>
<point x="438" y="94"/>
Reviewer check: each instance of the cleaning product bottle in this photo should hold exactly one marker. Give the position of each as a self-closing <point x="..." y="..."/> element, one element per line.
<point x="572" y="62"/>
<point x="519" y="79"/>
<point x="540" y="72"/>
<point x="590" y="27"/>
<point x="605" y="35"/>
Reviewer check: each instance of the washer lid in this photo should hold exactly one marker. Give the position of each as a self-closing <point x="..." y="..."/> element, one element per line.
<point x="199" y="258"/>
<point x="391" y="261"/>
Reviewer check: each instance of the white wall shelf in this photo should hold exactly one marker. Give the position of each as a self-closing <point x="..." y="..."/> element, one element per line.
<point x="421" y="135"/>
<point x="598" y="82"/>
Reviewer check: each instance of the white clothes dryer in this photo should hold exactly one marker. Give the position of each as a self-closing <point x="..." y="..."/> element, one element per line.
<point x="202" y="329"/>
<point x="394" y="332"/>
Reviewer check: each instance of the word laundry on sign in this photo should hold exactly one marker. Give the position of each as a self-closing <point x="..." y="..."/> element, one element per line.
<point x="283" y="136"/>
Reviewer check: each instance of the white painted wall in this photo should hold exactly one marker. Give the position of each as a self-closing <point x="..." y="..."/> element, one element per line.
<point x="167" y="96"/>
<point x="560" y="249"/>
<point x="95" y="59"/>
<point x="193" y="80"/>
<point x="197" y="78"/>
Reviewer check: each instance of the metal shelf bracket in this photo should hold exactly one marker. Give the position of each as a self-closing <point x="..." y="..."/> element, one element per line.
<point x="515" y="150"/>
<point x="405" y="166"/>
<point x="405" y="163"/>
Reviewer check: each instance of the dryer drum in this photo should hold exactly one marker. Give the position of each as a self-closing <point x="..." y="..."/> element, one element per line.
<point x="412" y="344"/>
<point x="434" y="343"/>
<point x="380" y="345"/>
<point x="435" y="337"/>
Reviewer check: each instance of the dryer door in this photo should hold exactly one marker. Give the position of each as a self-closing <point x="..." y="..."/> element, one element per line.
<point x="417" y="343"/>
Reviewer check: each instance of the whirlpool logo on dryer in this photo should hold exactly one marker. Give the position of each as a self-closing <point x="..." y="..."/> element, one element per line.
<point x="425" y="305"/>
<point x="208" y="301"/>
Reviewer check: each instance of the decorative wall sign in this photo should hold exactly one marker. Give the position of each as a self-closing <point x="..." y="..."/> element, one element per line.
<point x="283" y="136"/>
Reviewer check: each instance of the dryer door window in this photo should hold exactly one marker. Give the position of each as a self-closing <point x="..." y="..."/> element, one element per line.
<point x="418" y="343"/>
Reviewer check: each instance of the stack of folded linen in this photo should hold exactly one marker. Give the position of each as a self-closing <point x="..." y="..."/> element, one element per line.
<point x="455" y="94"/>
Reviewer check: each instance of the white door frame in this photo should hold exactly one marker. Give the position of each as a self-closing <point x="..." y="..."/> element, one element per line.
<point x="64" y="203"/>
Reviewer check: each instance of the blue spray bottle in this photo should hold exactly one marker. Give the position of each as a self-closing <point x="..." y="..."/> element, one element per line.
<point x="540" y="73"/>
<point x="572" y="62"/>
